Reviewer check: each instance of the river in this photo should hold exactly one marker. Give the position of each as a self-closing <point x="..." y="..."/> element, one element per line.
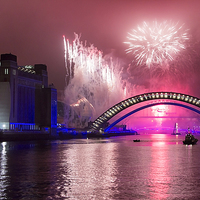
<point x="157" y="167"/>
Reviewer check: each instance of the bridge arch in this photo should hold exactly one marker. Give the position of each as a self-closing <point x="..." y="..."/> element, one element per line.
<point x="146" y="106"/>
<point x="117" y="108"/>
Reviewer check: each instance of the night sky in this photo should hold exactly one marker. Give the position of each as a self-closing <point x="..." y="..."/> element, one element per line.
<point x="33" y="29"/>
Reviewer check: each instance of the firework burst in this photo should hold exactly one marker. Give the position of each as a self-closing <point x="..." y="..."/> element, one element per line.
<point x="93" y="82"/>
<point x="156" y="44"/>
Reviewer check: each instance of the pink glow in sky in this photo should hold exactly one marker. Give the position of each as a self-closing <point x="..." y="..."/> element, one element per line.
<point x="33" y="29"/>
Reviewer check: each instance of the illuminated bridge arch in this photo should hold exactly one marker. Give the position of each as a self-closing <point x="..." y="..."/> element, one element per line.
<point x="117" y="108"/>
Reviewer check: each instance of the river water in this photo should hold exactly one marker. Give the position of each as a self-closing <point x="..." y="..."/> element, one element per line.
<point x="157" y="167"/>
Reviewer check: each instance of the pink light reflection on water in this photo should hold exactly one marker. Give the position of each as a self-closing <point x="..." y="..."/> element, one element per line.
<point x="155" y="139"/>
<point x="87" y="165"/>
<point x="158" y="139"/>
<point x="159" y="169"/>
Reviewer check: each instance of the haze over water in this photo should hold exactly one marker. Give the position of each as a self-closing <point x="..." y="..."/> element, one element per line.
<point x="158" y="167"/>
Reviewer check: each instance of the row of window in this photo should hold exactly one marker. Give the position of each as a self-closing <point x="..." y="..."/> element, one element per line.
<point x="22" y="127"/>
<point x="6" y="71"/>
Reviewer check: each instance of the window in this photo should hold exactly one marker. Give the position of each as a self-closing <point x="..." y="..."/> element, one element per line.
<point x="14" y="72"/>
<point x="6" y="70"/>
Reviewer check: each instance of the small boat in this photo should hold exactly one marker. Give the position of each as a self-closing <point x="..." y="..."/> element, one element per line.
<point x="136" y="140"/>
<point x="190" y="139"/>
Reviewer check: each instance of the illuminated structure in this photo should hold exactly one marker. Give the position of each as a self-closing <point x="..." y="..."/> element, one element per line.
<point x="26" y="103"/>
<point x="100" y="122"/>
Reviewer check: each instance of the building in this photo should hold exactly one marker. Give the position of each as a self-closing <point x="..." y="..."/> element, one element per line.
<point x="26" y="102"/>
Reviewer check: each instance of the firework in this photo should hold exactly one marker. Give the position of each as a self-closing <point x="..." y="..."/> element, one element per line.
<point x="91" y="80"/>
<point x="65" y="55"/>
<point x="156" y="44"/>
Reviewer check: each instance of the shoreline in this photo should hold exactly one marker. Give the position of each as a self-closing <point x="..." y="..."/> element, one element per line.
<point x="28" y="136"/>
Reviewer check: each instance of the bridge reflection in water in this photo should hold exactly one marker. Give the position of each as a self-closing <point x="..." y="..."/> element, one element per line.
<point x="100" y="122"/>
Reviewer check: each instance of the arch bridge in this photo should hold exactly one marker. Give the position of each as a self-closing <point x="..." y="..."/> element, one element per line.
<point x="103" y="119"/>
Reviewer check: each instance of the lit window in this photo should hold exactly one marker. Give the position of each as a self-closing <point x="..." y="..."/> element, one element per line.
<point x="6" y="70"/>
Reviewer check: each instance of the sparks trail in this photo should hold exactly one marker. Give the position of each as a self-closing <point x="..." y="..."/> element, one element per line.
<point x="92" y="81"/>
<point x="156" y="44"/>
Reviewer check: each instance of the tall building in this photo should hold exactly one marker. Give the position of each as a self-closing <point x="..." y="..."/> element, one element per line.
<point x="26" y="100"/>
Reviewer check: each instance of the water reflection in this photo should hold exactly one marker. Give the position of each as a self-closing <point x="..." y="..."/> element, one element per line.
<point x="3" y="169"/>
<point x="115" y="168"/>
<point x="159" y="172"/>
<point x="86" y="171"/>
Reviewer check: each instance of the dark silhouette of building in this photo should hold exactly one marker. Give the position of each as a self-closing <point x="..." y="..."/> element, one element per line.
<point x="26" y="100"/>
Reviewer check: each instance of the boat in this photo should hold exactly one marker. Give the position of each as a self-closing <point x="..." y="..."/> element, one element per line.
<point x="175" y="131"/>
<point x="190" y="139"/>
<point x="136" y="140"/>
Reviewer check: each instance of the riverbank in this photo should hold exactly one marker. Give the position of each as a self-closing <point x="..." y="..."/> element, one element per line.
<point x="24" y="136"/>
<point x="39" y="135"/>
<point x="111" y="134"/>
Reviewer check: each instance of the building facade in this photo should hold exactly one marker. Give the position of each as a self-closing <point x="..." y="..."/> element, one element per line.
<point x="26" y="100"/>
